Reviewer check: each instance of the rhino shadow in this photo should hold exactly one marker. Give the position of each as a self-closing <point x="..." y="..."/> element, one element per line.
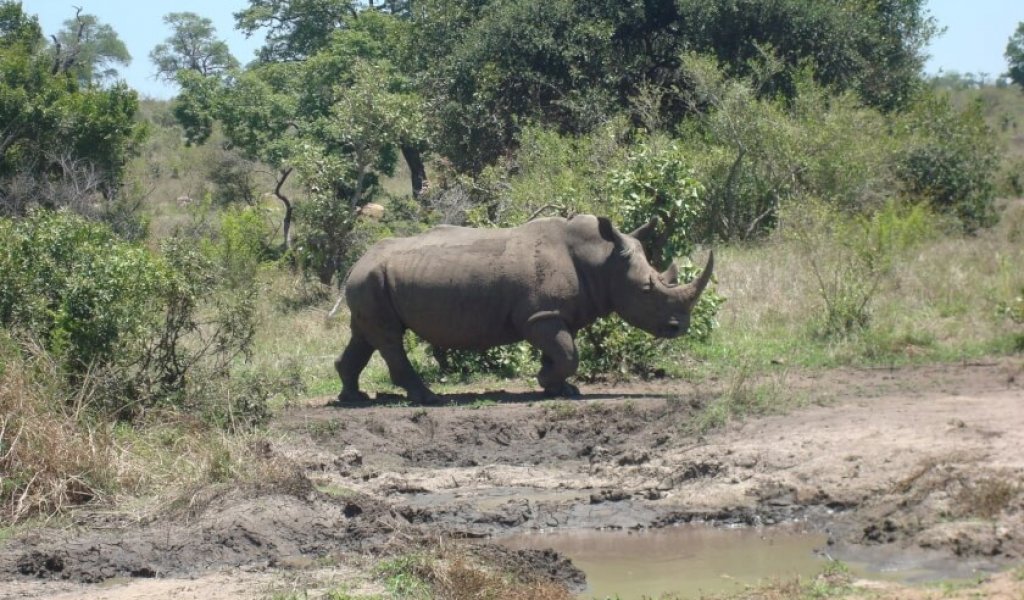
<point x="459" y="399"/>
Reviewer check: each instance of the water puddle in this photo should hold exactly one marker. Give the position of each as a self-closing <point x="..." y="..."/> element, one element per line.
<point x="687" y="560"/>
<point x="690" y="561"/>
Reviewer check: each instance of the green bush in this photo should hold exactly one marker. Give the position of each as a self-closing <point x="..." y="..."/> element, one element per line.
<point x="512" y="360"/>
<point x="949" y="160"/>
<point x="139" y="328"/>
<point x="1014" y="311"/>
<point x="76" y="287"/>
<point x="656" y="180"/>
<point x="753" y="152"/>
<point x="612" y="347"/>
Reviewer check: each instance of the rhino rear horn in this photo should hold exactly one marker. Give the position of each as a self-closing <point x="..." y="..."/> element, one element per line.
<point x="671" y="275"/>
<point x="694" y="289"/>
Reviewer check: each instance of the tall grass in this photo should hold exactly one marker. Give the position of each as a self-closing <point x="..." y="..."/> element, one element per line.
<point x="940" y="301"/>
<point x="57" y="452"/>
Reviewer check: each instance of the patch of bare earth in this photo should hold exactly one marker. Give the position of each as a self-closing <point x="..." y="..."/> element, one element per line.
<point x="923" y="459"/>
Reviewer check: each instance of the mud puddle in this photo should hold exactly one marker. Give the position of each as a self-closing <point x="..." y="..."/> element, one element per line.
<point x="688" y="561"/>
<point x="695" y="560"/>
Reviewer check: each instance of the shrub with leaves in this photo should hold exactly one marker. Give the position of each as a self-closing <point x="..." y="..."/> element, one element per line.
<point x="74" y="285"/>
<point x="142" y="328"/>
<point x="512" y="360"/>
<point x="950" y="160"/>
<point x="657" y="181"/>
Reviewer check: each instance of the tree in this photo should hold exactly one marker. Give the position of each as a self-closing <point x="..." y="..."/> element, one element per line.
<point x="192" y="46"/>
<point x="296" y="29"/>
<point x="337" y="119"/>
<point x="492" y="65"/>
<point x="1015" y="56"/>
<point x="318" y="30"/>
<point x="89" y="49"/>
<point x="61" y="141"/>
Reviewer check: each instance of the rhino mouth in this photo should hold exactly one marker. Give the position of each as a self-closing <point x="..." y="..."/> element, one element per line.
<point x="673" y="328"/>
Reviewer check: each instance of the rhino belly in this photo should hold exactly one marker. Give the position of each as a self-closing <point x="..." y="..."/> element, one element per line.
<point x="471" y="309"/>
<point x="456" y="321"/>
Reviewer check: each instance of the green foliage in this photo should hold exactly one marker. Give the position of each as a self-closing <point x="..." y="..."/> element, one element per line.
<point x="192" y="46"/>
<point x="243" y="243"/>
<point x="551" y="174"/>
<point x="656" y="181"/>
<point x="950" y="160"/>
<point x="63" y="143"/>
<point x="294" y="30"/>
<point x="140" y="327"/>
<point x="1014" y="311"/>
<point x="91" y="48"/>
<point x="611" y="347"/>
<point x="76" y="287"/>
<point x="337" y="120"/>
<point x="754" y="153"/>
<point x="1015" y="56"/>
<point x="406" y="576"/>
<point x="873" y="48"/>
<point x="494" y="67"/>
<point x="512" y="360"/>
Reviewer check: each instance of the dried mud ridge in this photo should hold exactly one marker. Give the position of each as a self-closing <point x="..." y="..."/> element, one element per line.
<point x="927" y="459"/>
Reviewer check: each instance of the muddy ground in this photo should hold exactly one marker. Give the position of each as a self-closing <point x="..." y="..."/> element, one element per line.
<point x="925" y="461"/>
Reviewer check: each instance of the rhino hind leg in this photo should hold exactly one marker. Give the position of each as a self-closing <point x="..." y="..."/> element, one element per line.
<point x="402" y="373"/>
<point x="350" y="365"/>
<point x="559" y="357"/>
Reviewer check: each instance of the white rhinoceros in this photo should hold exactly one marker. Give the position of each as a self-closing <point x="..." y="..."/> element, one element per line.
<point x="458" y="287"/>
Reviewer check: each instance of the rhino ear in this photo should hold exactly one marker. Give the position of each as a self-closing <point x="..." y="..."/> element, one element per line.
<point x="606" y="229"/>
<point x="646" y="230"/>
<point x="609" y="233"/>
<point x="671" y="275"/>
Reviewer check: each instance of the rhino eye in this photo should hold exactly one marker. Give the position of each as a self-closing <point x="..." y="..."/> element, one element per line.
<point x="649" y="286"/>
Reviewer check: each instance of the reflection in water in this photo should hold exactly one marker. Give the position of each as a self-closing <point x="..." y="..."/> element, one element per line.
<point x="688" y="560"/>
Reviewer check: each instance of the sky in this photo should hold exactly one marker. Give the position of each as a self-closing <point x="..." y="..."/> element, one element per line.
<point x="974" y="40"/>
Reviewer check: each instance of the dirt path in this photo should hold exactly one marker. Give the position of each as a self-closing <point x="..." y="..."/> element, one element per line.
<point x="925" y="462"/>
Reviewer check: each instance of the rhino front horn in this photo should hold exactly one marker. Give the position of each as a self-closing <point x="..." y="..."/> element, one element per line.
<point x="694" y="289"/>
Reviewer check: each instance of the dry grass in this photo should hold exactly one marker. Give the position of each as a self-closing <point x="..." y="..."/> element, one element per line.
<point x="51" y="455"/>
<point x="57" y="453"/>
<point x="939" y="303"/>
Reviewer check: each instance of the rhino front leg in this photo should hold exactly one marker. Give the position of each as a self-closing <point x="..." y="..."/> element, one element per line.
<point x="349" y="366"/>
<point x="559" y="357"/>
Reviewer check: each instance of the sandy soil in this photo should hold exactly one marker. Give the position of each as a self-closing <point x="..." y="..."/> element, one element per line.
<point x="923" y="462"/>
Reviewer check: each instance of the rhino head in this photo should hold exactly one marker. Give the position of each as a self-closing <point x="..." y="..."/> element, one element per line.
<point x="643" y="297"/>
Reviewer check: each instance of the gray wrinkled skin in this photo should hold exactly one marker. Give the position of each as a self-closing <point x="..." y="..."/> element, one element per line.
<point x="458" y="287"/>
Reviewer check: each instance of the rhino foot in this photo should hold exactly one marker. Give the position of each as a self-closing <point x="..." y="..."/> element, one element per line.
<point x="565" y="390"/>
<point x="426" y="398"/>
<point x="353" y="397"/>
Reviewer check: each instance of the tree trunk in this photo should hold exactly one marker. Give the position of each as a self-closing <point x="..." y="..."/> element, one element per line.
<point x="287" y="225"/>
<point x="416" y="168"/>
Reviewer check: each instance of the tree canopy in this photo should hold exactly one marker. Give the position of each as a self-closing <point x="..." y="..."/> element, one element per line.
<point x="90" y="49"/>
<point x="60" y="132"/>
<point x="1015" y="56"/>
<point x="192" y="46"/>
